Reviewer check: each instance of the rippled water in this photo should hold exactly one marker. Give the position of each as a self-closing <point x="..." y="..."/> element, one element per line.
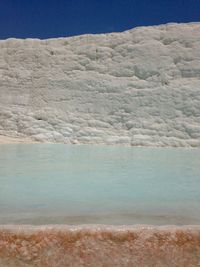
<point x="50" y="183"/>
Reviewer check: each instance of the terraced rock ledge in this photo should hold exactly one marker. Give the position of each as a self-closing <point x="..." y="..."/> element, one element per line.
<point x="138" y="87"/>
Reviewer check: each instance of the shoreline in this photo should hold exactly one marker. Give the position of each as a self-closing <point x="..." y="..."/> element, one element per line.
<point x="8" y="140"/>
<point x="16" y="140"/>
<point x="97" y="227"/>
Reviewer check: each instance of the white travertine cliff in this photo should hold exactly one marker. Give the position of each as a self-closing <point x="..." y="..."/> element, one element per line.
<point x="139" y="87"/>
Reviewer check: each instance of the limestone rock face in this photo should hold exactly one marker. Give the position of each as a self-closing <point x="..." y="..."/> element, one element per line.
<point x="138" y="87"/>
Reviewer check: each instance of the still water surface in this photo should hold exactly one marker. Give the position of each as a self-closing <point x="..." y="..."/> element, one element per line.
<point x="68" y="184"/>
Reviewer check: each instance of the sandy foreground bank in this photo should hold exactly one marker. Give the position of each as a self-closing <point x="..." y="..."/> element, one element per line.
<point x="16" y="140"/>
<point x="108" y="246"/>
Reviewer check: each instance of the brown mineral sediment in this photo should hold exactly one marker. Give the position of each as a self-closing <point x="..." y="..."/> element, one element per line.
<point x="137" y="246"/>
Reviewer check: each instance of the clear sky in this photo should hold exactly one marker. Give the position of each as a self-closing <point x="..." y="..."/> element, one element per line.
<point x="56" y="18"/>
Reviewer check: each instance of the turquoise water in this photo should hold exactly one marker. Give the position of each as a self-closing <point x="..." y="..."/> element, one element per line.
<point x="50" y="183"/>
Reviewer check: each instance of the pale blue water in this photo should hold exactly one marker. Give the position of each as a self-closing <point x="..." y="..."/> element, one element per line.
<point x="44" y="184"/>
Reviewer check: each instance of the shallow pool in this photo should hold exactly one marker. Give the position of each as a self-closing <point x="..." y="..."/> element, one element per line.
<point x="69" y="184"/>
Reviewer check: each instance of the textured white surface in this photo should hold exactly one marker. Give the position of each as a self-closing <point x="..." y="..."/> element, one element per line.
<point x="139" y="87"/>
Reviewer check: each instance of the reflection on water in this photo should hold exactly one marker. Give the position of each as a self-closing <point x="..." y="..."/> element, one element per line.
<point x="44" y="184"/>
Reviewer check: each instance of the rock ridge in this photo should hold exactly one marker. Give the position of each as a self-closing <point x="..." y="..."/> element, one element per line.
<point x="138" y="87"/>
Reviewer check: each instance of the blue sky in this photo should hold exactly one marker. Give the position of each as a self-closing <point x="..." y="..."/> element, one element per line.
<point x="56" y="18"/>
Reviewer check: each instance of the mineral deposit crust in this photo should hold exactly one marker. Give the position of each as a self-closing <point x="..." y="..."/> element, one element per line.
<point x="138" y="87"/>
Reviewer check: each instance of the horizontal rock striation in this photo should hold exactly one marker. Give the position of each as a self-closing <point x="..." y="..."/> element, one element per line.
<point x="138" y="87"/>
